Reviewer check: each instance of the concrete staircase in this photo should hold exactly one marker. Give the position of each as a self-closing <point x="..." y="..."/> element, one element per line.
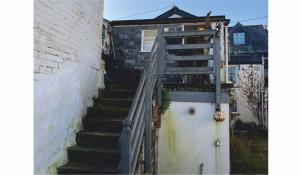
<point x="97" y="147"/>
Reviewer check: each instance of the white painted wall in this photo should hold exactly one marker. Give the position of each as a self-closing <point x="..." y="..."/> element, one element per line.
<point x="67" y="73"/>
<point x="186" y="141"/>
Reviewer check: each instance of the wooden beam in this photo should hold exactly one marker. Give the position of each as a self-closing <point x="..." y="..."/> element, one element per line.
<point x="189" y="46"/>
<point x="189" y="58"/>
<point x="191" y="33"/>
<point x="189" y="70"/>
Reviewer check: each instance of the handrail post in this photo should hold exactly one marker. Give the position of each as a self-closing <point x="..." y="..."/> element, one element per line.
<point x="216" y="52"/>
<point x="148" y="119"/>
<point x="125" y="148"/>
<point x="160" y="67"/>
<point x="159" y="87"/>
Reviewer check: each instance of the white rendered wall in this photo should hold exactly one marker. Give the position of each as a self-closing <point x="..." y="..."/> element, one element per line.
<point x="67" y="73"/>
<point x="187" y="141"/>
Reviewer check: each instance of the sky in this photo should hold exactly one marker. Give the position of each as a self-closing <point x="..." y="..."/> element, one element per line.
<point x="235" y="10"/>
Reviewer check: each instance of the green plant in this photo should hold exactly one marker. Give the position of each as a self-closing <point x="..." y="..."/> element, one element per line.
<point x="165" y="100"/>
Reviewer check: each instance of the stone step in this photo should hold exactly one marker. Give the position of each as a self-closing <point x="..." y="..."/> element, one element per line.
<point x="107" y="112"/>
<point x="93" y="156"/>
<point x="104" y="125"/>
<point x="116" y="86"/>
<point x="117" y="93"/>
<point x="78" y="168"/>
<point x="97" y="139"/>
<point x="104" y="101"/>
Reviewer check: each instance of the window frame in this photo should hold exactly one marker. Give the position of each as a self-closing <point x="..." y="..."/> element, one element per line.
<point x="257" y="68"/>
<point x="142" y="39"/>
<point x="237" y="106"/>
<point x="236" y="73"/>
<point x="237" y="38"/>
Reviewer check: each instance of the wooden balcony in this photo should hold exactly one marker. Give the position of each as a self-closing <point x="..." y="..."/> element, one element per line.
<point x="190" y="33"/>
<point x="189" y="70"/>
<point x="189" y="58"/>
<point x="189" y="46"/>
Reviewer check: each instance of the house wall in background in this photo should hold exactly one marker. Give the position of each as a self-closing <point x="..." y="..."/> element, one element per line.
<point x="67" y="73"/>
<point x="245" y="114"/>
<point x="187" y="142"/>
<point x="127" y="44"/>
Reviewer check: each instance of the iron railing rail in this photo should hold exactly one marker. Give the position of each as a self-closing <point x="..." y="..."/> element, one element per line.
<point x="139" y="119"/>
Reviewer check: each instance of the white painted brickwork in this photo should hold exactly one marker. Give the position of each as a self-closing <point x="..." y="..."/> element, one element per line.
<point x="66" y="31"/>
<point x="68" y="71"/>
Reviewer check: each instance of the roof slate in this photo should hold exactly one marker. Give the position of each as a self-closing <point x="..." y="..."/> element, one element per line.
<point x="164" y="19"/>
<point x="177" y="11"/>
<point x="256" y="36"/>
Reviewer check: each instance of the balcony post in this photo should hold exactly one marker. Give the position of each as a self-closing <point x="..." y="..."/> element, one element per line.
<point x="216" y="52"/>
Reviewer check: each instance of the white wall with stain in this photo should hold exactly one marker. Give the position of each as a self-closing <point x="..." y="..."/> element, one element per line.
<point x="187" y="141"/>
<point x="68" y="70"/>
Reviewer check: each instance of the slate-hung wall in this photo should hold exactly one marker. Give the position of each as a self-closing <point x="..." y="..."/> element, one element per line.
<point x="127" y="43"/>
<point x="68" y="71"/>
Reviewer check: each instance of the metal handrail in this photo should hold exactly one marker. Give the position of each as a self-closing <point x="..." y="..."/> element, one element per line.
<point x="135" y="123"/>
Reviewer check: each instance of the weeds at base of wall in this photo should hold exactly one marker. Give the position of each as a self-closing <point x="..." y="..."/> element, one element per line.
<point x="249" y="153"/>
<point x="165" y="100"/>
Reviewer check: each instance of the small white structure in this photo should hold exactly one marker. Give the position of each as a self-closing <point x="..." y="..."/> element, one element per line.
<point x="193" y="143"/>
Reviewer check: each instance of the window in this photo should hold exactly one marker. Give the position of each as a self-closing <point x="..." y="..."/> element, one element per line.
<point x="256" y="68"/>
<point x="233" y="105"/>
<point x="238" y="38"/>
<point x="232" y="70"/>
<point x="148" y="38"/>
<point x="175" y="16"/>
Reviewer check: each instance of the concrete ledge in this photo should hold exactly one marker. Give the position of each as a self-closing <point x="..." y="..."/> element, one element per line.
<point x="204" y="97"/>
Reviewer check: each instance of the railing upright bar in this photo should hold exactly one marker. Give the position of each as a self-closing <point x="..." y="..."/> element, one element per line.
<point x="136" y="97"/>
<point x="148" y="119"/>
<point x="125" y="149"/>
<point x="139" y="114"/>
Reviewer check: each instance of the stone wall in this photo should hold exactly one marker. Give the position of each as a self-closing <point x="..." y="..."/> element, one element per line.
<point x="68" y="71"/>
<point x="127" y="44"/>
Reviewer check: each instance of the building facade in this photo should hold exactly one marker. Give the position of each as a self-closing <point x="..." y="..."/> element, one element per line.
<point x="248" y="70"/>
<point x="186" y="143"/>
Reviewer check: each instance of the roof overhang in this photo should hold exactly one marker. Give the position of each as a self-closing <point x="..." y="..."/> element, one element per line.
<point x="169" y="21"/>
